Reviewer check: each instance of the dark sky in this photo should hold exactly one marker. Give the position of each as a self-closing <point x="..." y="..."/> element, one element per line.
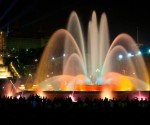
<point x="36" y="18"/>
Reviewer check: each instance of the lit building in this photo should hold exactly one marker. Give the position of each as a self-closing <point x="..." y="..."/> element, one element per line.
<point x="4" y="73"/>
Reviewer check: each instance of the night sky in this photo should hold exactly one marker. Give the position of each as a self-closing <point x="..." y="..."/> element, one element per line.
<point x="38" y="18"/>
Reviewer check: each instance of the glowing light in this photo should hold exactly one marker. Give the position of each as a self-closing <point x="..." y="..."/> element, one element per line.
<point x="30" y="74"/>
<point x="106" y="93"/>
<point x="22" y="87"/>
<point x="64" y="55"/>
<point x="41" y="94"/>
<point x="120" y="57"/>
<point x="130" y="55"/>
<point x="9" y="94"/>
<point x="35" y="85"/>
<point x="119" y="82"/>
<point x="53" y="58"/>
<point x="140" y="96"/>
<point x="149" y="51"/>
<point x="36" y="60"/>
<point x="18" y="96"/>
<point x="125" y="85"/>
<point x="139" y="53"/>
<point x="72" y="98"/>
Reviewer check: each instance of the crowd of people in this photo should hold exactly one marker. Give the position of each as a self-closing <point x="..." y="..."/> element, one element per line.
<point x="63" y="110"/>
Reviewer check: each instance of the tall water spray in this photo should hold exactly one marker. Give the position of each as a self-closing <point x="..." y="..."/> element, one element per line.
<point x="67" y="65"/>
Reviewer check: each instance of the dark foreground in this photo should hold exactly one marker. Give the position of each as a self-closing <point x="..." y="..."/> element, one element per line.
<point x="36" y="110"/>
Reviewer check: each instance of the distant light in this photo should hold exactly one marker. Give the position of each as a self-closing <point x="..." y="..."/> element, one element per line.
<point x="53" y="58"/>
<point x="139" y="53"/>
<point x="120" y="57"/>
<point x="149" y="51"/>
<point x="130" y="55"/>
<point x="64" y="55"/>
<point x="36" y="60"/>
<point x="30" y="74"/>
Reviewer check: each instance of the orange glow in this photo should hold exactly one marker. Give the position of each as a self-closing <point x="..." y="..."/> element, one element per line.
<point x="112" y="80"/>
<point x="41" y="94"/>
<point x="9" y="94"/>
<point x="125" y="85"/>
<point x="84" y="87"/>
<point x="119" y="82"/>
<point x="63" y="87"/>
<point x="106" y="93"/>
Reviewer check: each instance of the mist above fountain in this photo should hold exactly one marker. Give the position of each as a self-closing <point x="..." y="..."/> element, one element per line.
<point x="72" y="63"/>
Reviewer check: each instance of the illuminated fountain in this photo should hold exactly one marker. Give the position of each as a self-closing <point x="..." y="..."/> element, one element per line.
<point x="72" y="63"/>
